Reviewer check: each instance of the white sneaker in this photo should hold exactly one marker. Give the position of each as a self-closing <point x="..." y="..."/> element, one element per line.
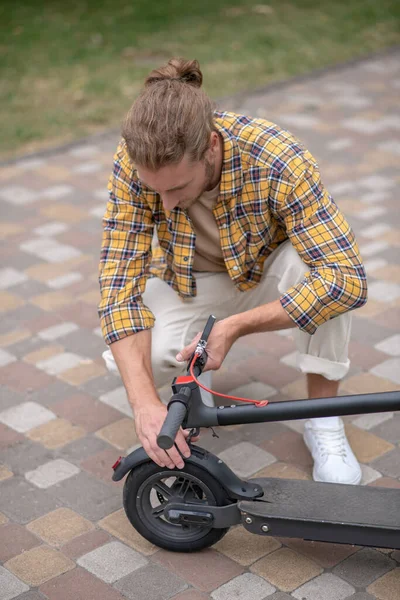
<point x="334" y="461"/>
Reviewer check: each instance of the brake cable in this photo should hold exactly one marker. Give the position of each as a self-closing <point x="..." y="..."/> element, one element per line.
<point x="196" y="355"/>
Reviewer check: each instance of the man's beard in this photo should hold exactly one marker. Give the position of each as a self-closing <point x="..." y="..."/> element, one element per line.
<point x="209" y="177"/>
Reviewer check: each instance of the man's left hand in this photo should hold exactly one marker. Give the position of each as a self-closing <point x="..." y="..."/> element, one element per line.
<point x="219" y="343"/>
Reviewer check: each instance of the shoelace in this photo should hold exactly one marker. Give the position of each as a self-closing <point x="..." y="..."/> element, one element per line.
<point x="330" y="441"/>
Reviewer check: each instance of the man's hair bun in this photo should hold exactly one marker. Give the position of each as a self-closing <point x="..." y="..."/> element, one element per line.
<point x="177" y="69"/>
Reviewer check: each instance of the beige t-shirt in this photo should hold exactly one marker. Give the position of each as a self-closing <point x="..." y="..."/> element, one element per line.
<point x="208" y="254"/>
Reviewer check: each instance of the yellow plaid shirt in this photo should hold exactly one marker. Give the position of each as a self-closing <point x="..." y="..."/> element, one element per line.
<point x="270" y="191"/>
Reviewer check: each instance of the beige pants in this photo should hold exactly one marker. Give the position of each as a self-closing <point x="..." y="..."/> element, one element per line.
<point x="178" y="321"/>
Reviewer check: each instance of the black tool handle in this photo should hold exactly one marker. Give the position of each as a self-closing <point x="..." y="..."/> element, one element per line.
<point x="176" y="413"/>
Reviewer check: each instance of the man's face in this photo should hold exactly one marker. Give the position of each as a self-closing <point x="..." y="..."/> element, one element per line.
<point x="180" y="184"/>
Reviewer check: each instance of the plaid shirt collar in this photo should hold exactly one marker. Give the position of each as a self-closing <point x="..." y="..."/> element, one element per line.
<point x="232" y="172"/>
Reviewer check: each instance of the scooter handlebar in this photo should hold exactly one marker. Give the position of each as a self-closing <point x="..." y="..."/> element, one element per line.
<point x="174" y="419"/>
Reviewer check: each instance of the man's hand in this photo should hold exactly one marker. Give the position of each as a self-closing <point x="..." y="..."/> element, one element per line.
<point x="219" y="343"/>
<point x="148" y="422"/>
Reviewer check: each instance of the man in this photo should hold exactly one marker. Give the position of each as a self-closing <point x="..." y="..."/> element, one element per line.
<point x="246" y="231"/>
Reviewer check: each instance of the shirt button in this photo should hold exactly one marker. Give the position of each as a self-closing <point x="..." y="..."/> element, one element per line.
<point x="236" y="268"/>
<point x="185" y="258"/>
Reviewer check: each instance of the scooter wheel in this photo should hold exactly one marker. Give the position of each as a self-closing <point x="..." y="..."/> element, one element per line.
<point x="149" y="488"/>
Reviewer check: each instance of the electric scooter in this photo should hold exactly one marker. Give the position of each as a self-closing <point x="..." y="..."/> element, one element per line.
<point x="188" y="509"/>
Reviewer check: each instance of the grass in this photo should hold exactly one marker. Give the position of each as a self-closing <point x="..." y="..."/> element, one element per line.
<point x="72" y="68"/>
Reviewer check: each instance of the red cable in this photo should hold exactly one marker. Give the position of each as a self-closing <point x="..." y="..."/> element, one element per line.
<point x="203" y="387"/>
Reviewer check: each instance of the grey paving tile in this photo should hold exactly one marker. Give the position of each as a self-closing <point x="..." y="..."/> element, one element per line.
<point x="31" y="595"/>
<point x="326" y="586"/>
<point x="9" y="398"/>
<point x="30" y="288"/>
<point x="10" y="586"/>
<point x="84" y="342"/>
<point x="389" y="464"/>
<point x="371" y="334"/>
<point x="363" y="567"/>
<point x="81" y="449"/>
<point x="54" y="392"/>
<point x="94" y="500"/>
<point x="112" y="561"/>
<point x="25" y="456"/>
<point x="153" y="582"/>
<point x="23" y="502"/>
<point x="101" y="385"/>
<point x="389" y="430"/>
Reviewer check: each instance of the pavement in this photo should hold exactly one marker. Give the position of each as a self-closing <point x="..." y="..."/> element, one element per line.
<point x="64" y="419"/>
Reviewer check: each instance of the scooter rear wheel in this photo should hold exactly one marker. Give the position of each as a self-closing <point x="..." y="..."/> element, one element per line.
<point x="149" y="488"/>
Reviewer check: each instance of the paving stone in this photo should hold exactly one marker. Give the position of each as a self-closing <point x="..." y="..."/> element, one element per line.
<point x="79" y="585"/>
<point x="26" y="416"/>
<point x="15" y="540"/>
<point x="8" y="437"/>
<point x="289" y="447"/>
<point x="325" y="586"/>
<point x="5" y="473"/>
<point x="43" y="353"/>
<point x="153" y="582"/>
<point x="245" y="459"/>
<point x="51" y="473"/>
<point x="23" y="377"/>
<point x="83" y="410"/>
<point x="389" y="369"/>
<point x="387" y="587"/>
<point x="80" y="449"/>
<point x="283" y="470"/>
<point x="60" y="363"/>
<point x="118" y="525"/>
<point x="245" y="548"/>
<point x="389" y="464"/>
<point x="10" y="277"/>
<point x="112" y="561"/>
<point x="95" y="499"/>
<point x="49" y="250"/>
<point x="387" y="482"/>
<point x="85" y="543"/>
<point x="57" y="331"/>
<point x="367" y="383"/>
<point x="23" y="502"/>
<point x="56" y="433"/>
<point x="205" y="570"/>
<point x="31" y="596"/>
<point x="245" y="587"/>
<point x="389" y="430"/>
<point x="365" y="445"/>
<point x="18" y="195"/>
<point x="12" y="337"/>
<point x="364" y="566"/>
<point x="52" y="228"/>
<point x="370" y="421"/>
<point x="255" y="390"/>
<point x="82" y="373"/>
<point x="324" y="554"/>
<point x="38" y="565"/>
<point x="52" y="393"/>
<point x="192" y="594"/>
<point x="86" y="343"/>
<point x="10" y="585"/>
<point x="100" y="464"/>
<point x="286" y="569"/>
<point x="117" y="399"/>
<point x="60" y="526"/>
<point x="120" y="434"/>
<point x="369" y="474"/>
<point x="390" y="346"/>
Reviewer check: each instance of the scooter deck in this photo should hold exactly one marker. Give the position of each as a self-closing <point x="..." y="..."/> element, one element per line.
<point x="328" y="512"/>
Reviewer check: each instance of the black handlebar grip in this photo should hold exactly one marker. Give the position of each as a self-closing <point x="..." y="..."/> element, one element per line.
<point x="173" y="420"/>
<point x="207" y="329"/>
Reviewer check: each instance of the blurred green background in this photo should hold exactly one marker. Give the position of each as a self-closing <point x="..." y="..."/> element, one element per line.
<point x="72" y="68"/>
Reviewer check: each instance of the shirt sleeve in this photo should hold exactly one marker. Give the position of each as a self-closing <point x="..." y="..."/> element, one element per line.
<point x="125" y="255"/>
<point x="336" y="281"/>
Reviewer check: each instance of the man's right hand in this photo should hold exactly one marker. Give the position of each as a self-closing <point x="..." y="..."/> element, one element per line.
<point x="148" y="422"/>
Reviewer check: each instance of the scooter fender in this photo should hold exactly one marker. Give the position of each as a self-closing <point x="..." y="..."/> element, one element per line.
<point x="236" y="488"/>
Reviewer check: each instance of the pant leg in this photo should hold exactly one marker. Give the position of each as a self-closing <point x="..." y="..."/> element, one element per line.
<point x="325" y="352"/>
